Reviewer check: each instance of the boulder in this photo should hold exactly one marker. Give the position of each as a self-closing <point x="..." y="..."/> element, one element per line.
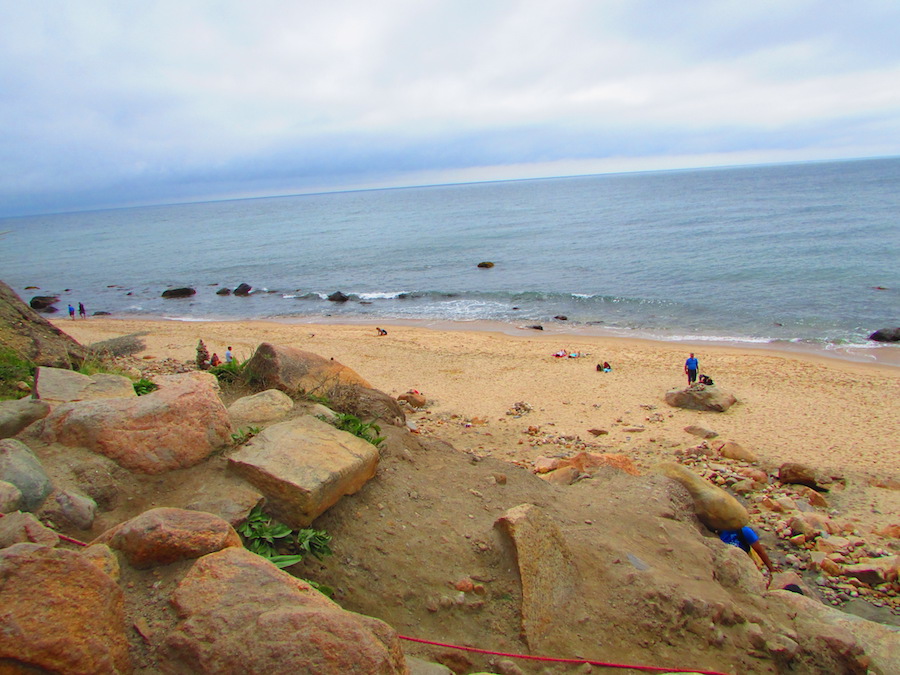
<point x="732" y="450"/>
<point x="265" y="406"/>
<point x="304" y="466"/>
<point x="21" y="467"/>
<point x="177" y="426"/>
<point x="61" y="614"/>
<point x="700" y="397"/>
<point x="414" y="399"/>
<point x="179" y="292"/>
<point x="297" y="372"/>
<point x="10" y="497"/>
<point x="223" y="291"/>
<point x="694" y="430"/>
<point x="886" y="335"/>
<point x="19" y="528"/>
<point x="547" y="571"/>
<point x="165" y="535"/>
<point x="103" y="557"/>
<point x="17" y="414"/>
<point x="43" y="303"/>
<point x="64" y="507"/>
<point x="715" y="508"/>
<point x="337" y="296"/>
<point x="797" y="474"/>
<point x="31" y="336"/>
<point x="243" y="289"/>
<point x="239" y="613"/>
<point x="733" y="568"/>
<point x="58" y="385"/>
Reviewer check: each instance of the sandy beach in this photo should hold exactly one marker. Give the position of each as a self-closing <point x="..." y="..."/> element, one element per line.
<point x="839" y="416"/>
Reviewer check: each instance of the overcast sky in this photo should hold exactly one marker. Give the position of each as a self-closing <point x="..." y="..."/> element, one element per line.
<point x="132" y="102"/>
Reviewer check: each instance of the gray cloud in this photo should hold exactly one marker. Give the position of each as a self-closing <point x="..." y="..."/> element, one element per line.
<point x="107" y="103"/>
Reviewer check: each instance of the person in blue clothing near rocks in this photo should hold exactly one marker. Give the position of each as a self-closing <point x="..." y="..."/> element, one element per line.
<point x="691" y="366"/>
<point x="747" y="539"/>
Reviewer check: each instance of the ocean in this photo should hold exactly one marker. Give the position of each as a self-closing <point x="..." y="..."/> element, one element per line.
<point x="792" y="254"/>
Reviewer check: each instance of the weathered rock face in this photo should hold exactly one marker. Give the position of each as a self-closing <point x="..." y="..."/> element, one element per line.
<point x="21" y="467"/>
<point x="700" y="397"/>
<point x="732" y="450"/>
<point x="236" y="608"/>
<point x="61" y="613"/>
<point x="64" y="507"/>
<point x="797" y="474"/>
<point x="30" y="335"/>
<point x="57" y="385"/>
<point x="166" y="535"/>
<point x="547" y="569"/>
<point x="304" y="466"/>
<point x="179" y="293"/>
<point x="886" y="335"/>
<point x="174" y="427"/>
<point x="715" y="508"/>
<point x="16" y="415"/>
<point x="295" y="371"/>
<point x="43" y="303"/>
<point x="19" y="527"/>
<point x="265" y="406"/>
<point x="10" y="497"/>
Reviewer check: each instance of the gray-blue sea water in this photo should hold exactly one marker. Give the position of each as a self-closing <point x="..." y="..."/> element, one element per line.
<point x="800" y="252"/>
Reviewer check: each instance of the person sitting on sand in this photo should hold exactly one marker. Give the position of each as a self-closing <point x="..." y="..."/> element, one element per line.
<point x="604" y="367"/>
<point x="380" y="331"/>
<point x="562" y="353"/>
<point x="747" y="540"/>
<point x="215" y="360"/>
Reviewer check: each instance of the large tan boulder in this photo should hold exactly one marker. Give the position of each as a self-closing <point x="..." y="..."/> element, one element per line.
<point x="266" y="406"/>
<point x="60" y="614"/>
<point x="297" y="373"/>
<point x="238" y="613"/>
<point x="58" y="385"/>
<point x="304" y="466"/>
<point x="175" y="427"/>
<point x="547" y="571"/>
<point x="18" y="414"/>
<point x="715" y="508"/>
<point x="165" y="535"/>
<point x="700" y="397"/>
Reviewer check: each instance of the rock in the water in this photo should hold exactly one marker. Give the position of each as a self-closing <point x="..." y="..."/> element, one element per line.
<point x="547" y="569"/>
<point x="179" y="292"/>
<point x="165" y="535"/>
<point x="223" y="291"/>
<point x="236" y="608"/>
<point x="304" y="466"/>
<point x="17" y="414"/>
<point x="700" y="397"/>
<point x="886" y="335"/>
<point x="177" y="426"/>
<point x="265" y="406"/>
<point x="58" y="385"/>
<point x="243" y="289"/>
<point x="61" y="614"/>
<point x="337" y="296"/>
<point x="486" y="264"/>
<point x="715" y="508"/>
<point x="21" y="467"/>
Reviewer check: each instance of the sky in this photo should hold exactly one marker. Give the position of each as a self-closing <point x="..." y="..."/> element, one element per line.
<point x="124" y="102"/>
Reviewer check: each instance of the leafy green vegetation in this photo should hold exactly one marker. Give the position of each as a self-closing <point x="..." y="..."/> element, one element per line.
<point x="144" y="386"/>
<point x="355" y="426"/>
<point x="229" y="372"/>
<point x="13" y="369"/>
<point x="280" y="544"/>
<point x="244" y="434"/>
<point x="93" y="366"/>
<point x="324" y="400"/>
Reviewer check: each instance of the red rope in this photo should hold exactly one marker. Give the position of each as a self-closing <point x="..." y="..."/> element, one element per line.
<point x="655" y="669"/>
<point x="62" y="536"/>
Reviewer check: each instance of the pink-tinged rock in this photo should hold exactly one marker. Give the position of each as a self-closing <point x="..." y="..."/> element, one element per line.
<point x="732" y="450"/>
<point x="546" y="464"/>
<point x="58" y="385"/>
<point x="830" y="567"/>
<point x="889" y="531"/>
<point x="821" y="522"/>
<point x="700" y="398"/>
<point x="590" y="462"/>
<point x="19" y="527"/>
<point x="18" y="414"/>
<point x="414" y="399"/>
<point x="266" y="406"/>
<point x="800" y="525"/>
<point x="813" y="497"/>
<point x="547" y="570"/>
<point x="239" y="613"/>
<point x="756" y="475"/>
<point x="64" y="507"/>
<point x="102" y="556"/>
<point x="563" y="476"/>
<point x="10" y="497"/>
<point x="304" y="466"/>
<point x="715" y="508"/>
<point x="174" y="427"/>
<point x="59" y="614"/>
<point x="799" y="474"/>
<point x="695" y="430"/>
<point x="874" y="571"/>
<point x="166" y="535"/>
<point x="832" y="544"/>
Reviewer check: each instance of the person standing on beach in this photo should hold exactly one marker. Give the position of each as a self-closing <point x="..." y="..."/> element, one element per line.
<point x="691" y="366"/>
<point x="81" y="310"/>
<point x="229" y="357"/>
<point x="71" y="312"/>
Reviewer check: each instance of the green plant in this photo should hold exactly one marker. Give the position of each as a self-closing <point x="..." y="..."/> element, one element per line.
<point x="324" y="589"/>
<point x="244" y="434"/>
<point x="229" y="372"/>
<point x="144" y="386"/>
<point x="13" y="369"/>
<point x="267" y="537"/>
<point x="94" y="365"/>
<point x="355" y="426"/>
<point x="315" y="398"/>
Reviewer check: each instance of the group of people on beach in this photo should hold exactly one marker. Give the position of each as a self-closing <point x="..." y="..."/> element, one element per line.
<point x="81" y="311"/>
<point x="214" y="360"/>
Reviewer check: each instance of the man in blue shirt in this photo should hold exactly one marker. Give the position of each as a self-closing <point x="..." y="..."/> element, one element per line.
<point x="690" y="368"/>
<point x="747" y="539"/>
